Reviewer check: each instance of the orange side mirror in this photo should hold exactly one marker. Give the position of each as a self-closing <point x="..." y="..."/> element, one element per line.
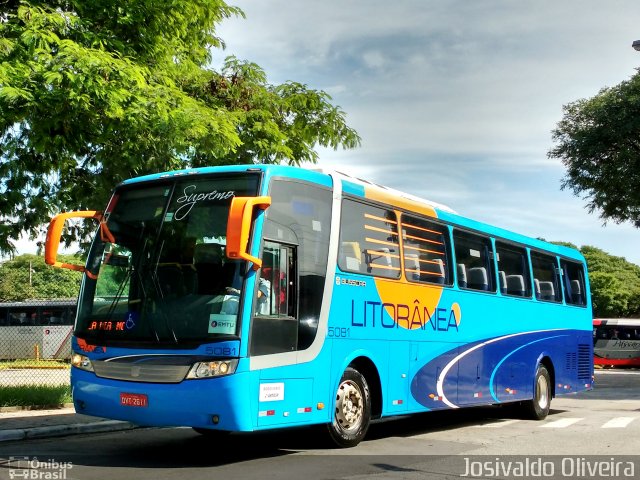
<point x="54" y="234"/>
<point x="239" y="226"/>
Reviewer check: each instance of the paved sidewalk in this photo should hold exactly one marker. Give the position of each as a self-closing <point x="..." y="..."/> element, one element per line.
<point x="31" y="424"/>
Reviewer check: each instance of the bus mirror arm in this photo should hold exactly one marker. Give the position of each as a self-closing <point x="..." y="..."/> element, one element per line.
<point x="54" y="233"/>
<point x="239" y="226"/>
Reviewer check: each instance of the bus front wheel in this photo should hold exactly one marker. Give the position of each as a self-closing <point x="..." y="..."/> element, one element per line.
<point x="538" y="407"/>
<point x="352" y="413"/>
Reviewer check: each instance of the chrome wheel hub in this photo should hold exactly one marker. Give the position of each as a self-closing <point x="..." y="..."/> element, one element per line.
<point x="542" y="393"/>
<point x="349" y="406"/>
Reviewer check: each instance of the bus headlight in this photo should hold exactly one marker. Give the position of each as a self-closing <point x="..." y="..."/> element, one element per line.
<point x="217" y="368"/>
<point x="82" y="362"/>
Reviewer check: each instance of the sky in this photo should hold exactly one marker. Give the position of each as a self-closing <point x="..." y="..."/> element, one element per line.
<point x="455" y="101"/>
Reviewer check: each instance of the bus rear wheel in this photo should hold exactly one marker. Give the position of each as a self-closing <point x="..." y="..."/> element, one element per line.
<point x="352" y="414"/>
<point x="538" y="407"/>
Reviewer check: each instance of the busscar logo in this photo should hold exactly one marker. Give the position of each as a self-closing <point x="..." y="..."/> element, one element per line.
<point x="350" y="282"/>
<point x="32" y="468"/>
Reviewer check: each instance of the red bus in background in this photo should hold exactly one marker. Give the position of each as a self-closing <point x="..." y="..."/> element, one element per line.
<point x="616" y="342"/>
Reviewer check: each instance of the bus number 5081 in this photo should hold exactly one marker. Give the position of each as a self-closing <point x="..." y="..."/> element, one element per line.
<point x="338" y="332"/>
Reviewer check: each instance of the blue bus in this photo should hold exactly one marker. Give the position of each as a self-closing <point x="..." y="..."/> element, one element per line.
<point x="245" y="298"/>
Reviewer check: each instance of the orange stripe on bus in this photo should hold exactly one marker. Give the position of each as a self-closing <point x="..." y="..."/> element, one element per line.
<point x="381" y="242"/>
<point x="432" y="262"/>
<point x="382" y="254"/>
<point x="386" y="220"/>
<point x="425" y="272"/>
<point x="423" y="239"/>
<point x="409" y="247"/>
<point x="386" y="267"/>
<point x="421" y="229"/>
<point x="376" y="229"/>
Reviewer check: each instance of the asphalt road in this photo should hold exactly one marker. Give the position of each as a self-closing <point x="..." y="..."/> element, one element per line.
<point x="603" y="422"/>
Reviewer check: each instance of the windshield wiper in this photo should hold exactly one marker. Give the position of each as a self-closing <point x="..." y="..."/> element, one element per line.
<point x="118" y="295"/>
<point x="156" y="283"/>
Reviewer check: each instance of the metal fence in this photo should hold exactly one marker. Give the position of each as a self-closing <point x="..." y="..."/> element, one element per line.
<point x="35" y="342"/>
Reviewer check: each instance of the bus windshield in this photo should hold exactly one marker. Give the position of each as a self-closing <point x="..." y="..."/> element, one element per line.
<point x="158" y="273"/>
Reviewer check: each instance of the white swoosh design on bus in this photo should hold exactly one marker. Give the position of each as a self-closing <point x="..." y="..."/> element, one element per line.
<point x="445" y="370"/>
<point x="504" y="359"/>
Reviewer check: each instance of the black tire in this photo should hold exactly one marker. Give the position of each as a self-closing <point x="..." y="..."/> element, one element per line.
<point x="538" y="407"/>
<point x="352" y="410"/>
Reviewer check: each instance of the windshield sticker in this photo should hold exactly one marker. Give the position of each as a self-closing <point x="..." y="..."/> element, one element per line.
<point x="190" y="197"/>
<point x="131" y="320"/>
<point x="221" y="323"/>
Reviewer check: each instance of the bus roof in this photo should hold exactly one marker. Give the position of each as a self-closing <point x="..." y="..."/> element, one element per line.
<point x="58" y="302"/>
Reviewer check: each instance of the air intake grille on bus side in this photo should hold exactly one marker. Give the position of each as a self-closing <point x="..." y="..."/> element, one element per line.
<point x="584" y="362"/>
<point x="571" y="361"/>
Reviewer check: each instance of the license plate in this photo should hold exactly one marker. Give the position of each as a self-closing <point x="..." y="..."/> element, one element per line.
<point x="134" y="400"/>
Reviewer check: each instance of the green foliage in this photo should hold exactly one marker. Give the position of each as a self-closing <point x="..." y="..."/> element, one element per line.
<point x="598" y="141"/>
<point x="35" y="395"/>
<point x="615" y="284"/>
<point x="28" y="277"/>
<point x="92" y="93"/>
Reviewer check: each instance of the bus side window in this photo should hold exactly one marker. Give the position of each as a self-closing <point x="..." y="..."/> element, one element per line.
<point x="369" y="241"/>
<point x="574" y="282"/>
<point x="474" y="256"/>
<point x="545" y="274"/>
<point x="426" y="251"/>
<point x="350" y="256"/>
<point x="513" y="262"/>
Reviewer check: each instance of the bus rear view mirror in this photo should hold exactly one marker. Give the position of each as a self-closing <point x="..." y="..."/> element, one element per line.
<point x="54" y="234"/>
<point x="239" y="227"/>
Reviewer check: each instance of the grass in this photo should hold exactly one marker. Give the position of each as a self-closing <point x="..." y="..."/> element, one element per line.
<point x="35" y="395"/>
<point x="33" y="363"/>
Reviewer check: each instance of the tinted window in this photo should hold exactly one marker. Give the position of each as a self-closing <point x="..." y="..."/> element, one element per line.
<point x="513" y="270"/>
<point x="369" y="240"/>
<point x="545" y="278"/>
<point x="574" y="284"/>
<point x="474" y="260"/>
<point x="424" y="246"/>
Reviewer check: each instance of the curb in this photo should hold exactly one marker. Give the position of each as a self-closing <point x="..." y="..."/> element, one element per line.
<point x="64" y="430"/>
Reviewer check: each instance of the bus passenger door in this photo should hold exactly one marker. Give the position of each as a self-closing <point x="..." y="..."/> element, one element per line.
<point x="274" y="323"/>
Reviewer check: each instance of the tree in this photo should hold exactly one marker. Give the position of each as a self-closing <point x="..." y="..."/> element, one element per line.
<point x="615" y="284"/>
<point x="598" y="141"/>
<point x="28" y="277"/>
<point x="92" y="93"/>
